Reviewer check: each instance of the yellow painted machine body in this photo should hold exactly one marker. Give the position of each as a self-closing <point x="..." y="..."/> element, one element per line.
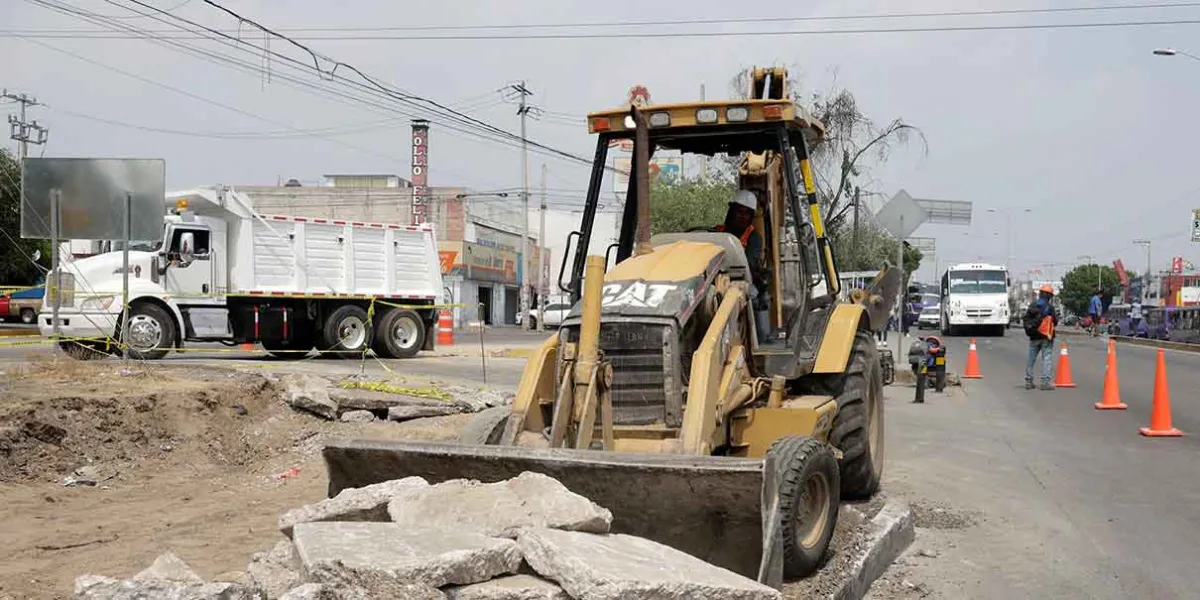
<point x="660" y="397"/>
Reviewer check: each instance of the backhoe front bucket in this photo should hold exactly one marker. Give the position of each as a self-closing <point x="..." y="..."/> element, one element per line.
<point x="707" y="506"/>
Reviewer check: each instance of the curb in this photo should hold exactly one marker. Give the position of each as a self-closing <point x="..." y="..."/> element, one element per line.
<point x="1179" y="346"/>
<point x="891" y="534"/>
<point x="19" y="332"/>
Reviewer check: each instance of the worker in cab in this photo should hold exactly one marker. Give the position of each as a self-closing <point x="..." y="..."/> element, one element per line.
<point x="739" y="222"/>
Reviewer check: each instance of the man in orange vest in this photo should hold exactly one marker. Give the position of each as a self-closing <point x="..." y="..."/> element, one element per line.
<point x="739" y="222"/>
<point x="1039" y="321"/>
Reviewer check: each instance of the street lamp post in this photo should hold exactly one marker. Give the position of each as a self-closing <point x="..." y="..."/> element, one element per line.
<point x="1008" y="230"/>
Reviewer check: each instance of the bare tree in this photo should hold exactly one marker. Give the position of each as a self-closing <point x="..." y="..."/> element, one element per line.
<point x="854" y="143"/>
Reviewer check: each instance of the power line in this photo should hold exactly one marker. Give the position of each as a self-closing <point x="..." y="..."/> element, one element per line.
<point x="366" y="127"/>
<point x="669" y="34"/>
<point x="736" y="20"/>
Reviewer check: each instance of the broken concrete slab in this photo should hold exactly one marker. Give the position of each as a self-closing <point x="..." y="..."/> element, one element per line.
<point x="512" y="587"/>
<point x="97" y="587"/>
<point x="890" y="532"/>
<point x="276" y="571"/>
<point x="475" y="400"/>
<point x="357" y="399"/>
<point x="368" y="554"/>
<point x="614" y="566"/>
<point x="500" y="509"/>
<point x="320" y="591"/>
<point x="357" y="416"/>
<point x="311" y="394"/>
<point x="405" y="413"/>
<point x="367" y="503"/>
<point x="168" y="567"/>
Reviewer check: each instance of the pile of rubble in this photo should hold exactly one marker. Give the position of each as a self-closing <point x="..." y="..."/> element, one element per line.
<point x="522" y="539"/>
<point x="359" y="402"/>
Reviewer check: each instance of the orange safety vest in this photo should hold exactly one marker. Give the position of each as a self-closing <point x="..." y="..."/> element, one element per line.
<point x="745" y="235"/>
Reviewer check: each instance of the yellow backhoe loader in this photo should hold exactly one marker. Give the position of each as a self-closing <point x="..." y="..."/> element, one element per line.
<point x="717" y="403"/>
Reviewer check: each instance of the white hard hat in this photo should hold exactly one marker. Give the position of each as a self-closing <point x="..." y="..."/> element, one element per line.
<point x="745" y="198"/>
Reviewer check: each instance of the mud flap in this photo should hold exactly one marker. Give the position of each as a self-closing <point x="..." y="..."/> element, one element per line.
<point x="707" y="506"/>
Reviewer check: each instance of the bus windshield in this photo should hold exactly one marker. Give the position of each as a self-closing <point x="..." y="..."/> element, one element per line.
<point x="978" y="282"/>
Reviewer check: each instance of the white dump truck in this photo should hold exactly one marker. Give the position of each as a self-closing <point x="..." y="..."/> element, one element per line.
<point x="222" y="273"/>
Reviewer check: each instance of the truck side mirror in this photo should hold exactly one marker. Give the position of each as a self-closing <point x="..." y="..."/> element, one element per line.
<point x="187" y="248"/>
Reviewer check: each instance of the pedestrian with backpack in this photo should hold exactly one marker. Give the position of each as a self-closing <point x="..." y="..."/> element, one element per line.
<point x="1040" y="321"/>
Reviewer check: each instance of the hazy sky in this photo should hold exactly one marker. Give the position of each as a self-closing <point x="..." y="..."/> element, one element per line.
<point x="1084" y="126"/>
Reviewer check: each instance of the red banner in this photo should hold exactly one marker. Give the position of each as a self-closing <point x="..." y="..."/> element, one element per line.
<point x="420" y="172"/>
<point x="1120" y="267"/>
<point x="1177" y="264"/>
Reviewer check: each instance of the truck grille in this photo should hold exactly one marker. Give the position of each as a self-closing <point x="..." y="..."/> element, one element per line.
<point x="979" y="313"/>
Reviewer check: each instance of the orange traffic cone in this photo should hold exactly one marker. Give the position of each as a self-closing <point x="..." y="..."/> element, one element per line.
<point x="1112" y="383"/>
<point x="1160" y="414"/>
<point x="1062" y="378"/>
<point x="972" y="371"/>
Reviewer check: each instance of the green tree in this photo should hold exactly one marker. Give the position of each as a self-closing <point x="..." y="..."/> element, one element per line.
<point x="15" y="267"/>
<point x="679" y="206"/>
<point x="1080" y="283"/>
<point x="872" y="248"/>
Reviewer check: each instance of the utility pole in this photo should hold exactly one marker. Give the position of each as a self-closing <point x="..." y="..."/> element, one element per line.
<point x="703" y="158"/>
<point x="854" y="235"/>
<point x="523" y="111"/>
<point x="543" y="285"/>
<point x="1146" y="277"/>
<point x="22" y="131"/>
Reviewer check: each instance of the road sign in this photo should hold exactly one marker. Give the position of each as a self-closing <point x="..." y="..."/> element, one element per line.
<point x="901" y="215"/>
<point x="947" y="212"/>
<point x="927" y="246"/>
<point x="1196" y="225"/>
<point x="92" y="195"/>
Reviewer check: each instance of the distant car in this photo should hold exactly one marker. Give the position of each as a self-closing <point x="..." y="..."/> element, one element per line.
<point x="23" y="305"/>
<point x="555" y="314"/>
<point x="931" y="316"/>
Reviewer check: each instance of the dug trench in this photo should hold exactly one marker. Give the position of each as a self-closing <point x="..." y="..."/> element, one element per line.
<point x="104" y="466"/>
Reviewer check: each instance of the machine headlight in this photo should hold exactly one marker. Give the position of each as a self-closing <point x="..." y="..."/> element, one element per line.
<point x="660" y="119"/>
<point x="706" y="116"/>
<point x="97" y="303"/>
<point x="737" y="114"/>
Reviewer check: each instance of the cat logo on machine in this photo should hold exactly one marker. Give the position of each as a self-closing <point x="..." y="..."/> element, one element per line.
<point x="636" y="294"/>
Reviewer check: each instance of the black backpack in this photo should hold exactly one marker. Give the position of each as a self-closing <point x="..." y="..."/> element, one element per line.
<point x="1031" y="320"/>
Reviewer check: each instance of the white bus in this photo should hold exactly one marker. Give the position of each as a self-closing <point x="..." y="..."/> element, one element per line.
<point x="975" y="295"/>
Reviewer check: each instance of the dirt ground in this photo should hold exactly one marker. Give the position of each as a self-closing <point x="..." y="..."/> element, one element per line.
<point x="197" y="461"/>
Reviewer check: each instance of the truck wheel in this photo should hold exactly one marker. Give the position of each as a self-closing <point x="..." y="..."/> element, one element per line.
<point x="485" y="428"/>
<point x="347" y="333"/>
<point x="28" y="316"/>
<point x="858" y="425"/>
<point x="151" y="332"/>
<point x="808" y="501"/>
<point x="399" y="334"/>
<point x="293" y="349"/>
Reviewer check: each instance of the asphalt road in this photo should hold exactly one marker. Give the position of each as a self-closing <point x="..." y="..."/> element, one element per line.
<point x="1032" y="494"/>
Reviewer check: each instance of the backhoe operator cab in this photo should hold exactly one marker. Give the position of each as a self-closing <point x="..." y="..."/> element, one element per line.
<point x="795" y="294"/>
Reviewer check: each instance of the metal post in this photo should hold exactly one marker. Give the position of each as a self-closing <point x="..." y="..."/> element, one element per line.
<point x="543" y="285"/>
<point x="482" y="351"/>
<point x="126" y="227"/>
<point x="55" y="200"/>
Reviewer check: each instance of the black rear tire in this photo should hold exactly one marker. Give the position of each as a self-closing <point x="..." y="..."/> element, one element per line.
<point x="399" y="333"/>
<point x="858" y="425"/>
<point x="28" y="316"/>
<point x="808" y="501"/>
<point x="347" y="333"/>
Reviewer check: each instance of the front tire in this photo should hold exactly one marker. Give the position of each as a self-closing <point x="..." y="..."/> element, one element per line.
<point x="859" y="425"/>
<point x="347" y="333"/>
<point x="808" y="501"/>
<point x="151" y="332"/>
